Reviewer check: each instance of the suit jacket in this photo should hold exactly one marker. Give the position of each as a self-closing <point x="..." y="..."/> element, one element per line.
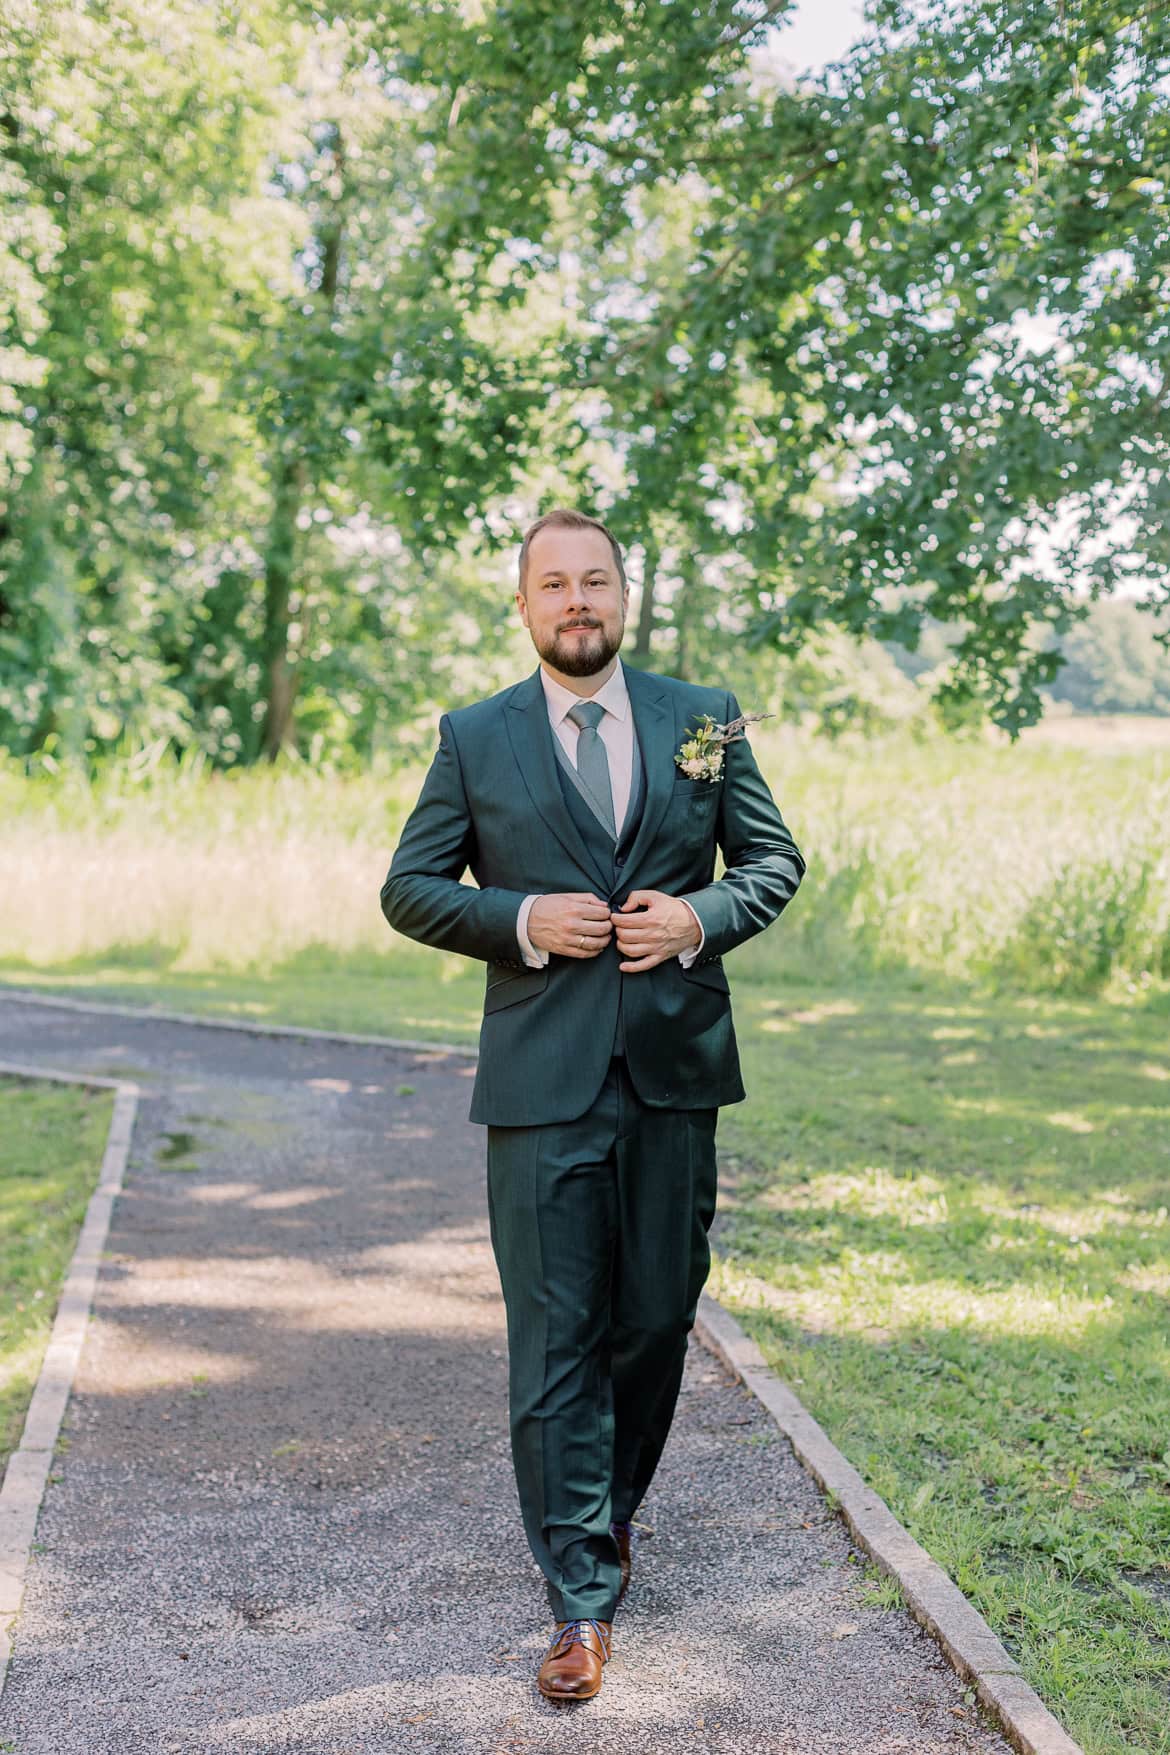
<point x="492" y="801"/>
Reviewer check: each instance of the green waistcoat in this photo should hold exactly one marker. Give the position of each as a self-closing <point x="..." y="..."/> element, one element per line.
<point x="610" y="854"/>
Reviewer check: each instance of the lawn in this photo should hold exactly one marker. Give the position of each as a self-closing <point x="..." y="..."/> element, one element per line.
<point x="54" y="1140"/>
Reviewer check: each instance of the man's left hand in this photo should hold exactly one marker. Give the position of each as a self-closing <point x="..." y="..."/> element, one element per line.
<point x="664" y="927"/>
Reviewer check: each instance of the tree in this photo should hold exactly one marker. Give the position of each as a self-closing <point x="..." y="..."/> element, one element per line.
<point x="134" y="136"/>
<point x="365" y="291"/>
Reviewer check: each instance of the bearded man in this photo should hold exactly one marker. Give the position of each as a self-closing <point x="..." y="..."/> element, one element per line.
<point x="607" y="1044"/>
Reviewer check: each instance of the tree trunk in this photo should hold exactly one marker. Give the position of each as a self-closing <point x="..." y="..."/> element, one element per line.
<point x="686" y="611"/>
<point x="280" y="675"/>
<point x="646" y="613"/>
<point x="679" y="667"/>
<point x="291" y="485"/>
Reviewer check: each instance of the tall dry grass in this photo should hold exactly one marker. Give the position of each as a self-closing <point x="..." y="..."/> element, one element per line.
<point x="1045" y="866"/>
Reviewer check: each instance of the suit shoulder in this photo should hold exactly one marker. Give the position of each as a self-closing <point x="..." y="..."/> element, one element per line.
<point x="693" y="697"/>
<point x="476" y="716"/>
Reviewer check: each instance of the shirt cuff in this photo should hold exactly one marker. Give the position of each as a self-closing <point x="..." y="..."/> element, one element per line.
<point x="536" y="959"/>
<point x="686" y="958"/>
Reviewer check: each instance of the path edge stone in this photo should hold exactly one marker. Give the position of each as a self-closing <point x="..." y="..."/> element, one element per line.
<point x="253" y="1026"/>
<point x="933" y="1598"/>
<point x="27" y="1473"/>
<point x="931" y="1595"/>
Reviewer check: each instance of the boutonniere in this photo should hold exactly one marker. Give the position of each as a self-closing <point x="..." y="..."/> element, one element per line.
<point x="701" y="756"/>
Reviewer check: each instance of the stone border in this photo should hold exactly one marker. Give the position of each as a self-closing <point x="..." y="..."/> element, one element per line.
<point x="932" y="1597"/>
<point x="28" y="1468"/>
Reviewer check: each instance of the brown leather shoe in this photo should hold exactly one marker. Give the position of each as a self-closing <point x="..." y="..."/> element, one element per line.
<point x="621" y="1533"/>
<point x="572" y="1664"/>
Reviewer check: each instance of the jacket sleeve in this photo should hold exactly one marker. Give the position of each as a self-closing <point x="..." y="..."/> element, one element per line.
<point x="763" y="864"/>
<point x="422" y="896"/>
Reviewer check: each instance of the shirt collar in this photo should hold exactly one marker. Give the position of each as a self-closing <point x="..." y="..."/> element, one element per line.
<point x="613" y="694"/>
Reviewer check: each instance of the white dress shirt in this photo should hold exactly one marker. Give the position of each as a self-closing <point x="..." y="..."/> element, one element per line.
<point x="616" y="730"/>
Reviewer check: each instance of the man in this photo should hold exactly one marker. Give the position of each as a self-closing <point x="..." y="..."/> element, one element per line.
<point x="606" y="1045"/>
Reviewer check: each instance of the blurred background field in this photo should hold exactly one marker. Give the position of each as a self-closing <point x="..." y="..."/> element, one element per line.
<point x="1043" y="867"/>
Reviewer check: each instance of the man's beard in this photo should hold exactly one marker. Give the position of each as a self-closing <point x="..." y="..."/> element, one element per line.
<point x="581" y="654"/>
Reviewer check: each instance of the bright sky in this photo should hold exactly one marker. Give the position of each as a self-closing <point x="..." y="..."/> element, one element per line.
<point x="817" y="31"/>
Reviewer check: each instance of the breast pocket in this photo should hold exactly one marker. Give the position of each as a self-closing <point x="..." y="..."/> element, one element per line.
<point x="694" y="805"/>
<point x="699" y="790"/>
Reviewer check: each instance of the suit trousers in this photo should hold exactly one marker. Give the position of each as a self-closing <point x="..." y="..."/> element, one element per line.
<point x="599" y="1229"/>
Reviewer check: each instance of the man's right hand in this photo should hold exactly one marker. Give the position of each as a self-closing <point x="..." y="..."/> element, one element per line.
<point x="561" y="921"/>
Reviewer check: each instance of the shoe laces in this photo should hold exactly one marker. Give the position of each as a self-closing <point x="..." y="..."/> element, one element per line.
<point x="572" y="1634"/>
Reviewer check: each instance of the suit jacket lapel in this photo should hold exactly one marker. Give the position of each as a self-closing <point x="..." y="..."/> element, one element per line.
<point x="531" y="737"/>
<point x="654" y="726"/>
<point x="635" y="783"/>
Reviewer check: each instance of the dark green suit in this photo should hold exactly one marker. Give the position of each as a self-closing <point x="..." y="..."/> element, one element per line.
<point x="600" y="1091"/>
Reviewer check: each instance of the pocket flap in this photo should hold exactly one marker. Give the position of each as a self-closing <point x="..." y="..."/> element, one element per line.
<point x="513" y="985"/>
<point x="707" y="975"/>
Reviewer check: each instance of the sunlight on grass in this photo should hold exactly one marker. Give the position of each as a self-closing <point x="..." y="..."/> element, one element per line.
<point x="910" y="1199"/>
<point x="862" y="1293"/>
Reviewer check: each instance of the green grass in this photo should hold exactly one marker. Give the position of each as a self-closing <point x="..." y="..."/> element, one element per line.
<point x="54" y="1139"/>
<point x="323" y="992"/>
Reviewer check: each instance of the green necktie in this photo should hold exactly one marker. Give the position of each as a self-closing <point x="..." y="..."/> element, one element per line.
<point x="592" y="762"/>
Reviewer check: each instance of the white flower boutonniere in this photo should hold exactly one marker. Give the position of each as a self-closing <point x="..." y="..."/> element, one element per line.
<point x="701" y="757"/>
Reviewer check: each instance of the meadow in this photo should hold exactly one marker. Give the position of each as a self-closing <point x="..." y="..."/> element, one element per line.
<point x="944" y="1205"/>
<point x="1045" y="866"/>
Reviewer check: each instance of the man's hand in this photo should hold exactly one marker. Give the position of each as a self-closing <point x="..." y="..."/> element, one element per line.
<point x="561" y="922"/>
<point x="664" y="927"/>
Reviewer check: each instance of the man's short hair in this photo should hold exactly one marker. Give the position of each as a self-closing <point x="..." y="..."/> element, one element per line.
<point x="567" y="518"/>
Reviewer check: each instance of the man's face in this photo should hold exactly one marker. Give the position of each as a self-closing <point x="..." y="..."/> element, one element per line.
<point x="575" y="608"/>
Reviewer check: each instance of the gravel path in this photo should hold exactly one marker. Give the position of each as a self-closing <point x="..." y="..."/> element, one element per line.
<point x="285" y="1517"/>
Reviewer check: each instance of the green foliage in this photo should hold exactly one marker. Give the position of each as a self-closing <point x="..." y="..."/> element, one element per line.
<point x="306" y="315"/>
<point x="1094" y="918"/>
<point x="1112" y="659"/>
